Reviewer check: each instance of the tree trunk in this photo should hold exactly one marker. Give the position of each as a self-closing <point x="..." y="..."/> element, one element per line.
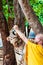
<point x="10" y="23"/>
<point x="30" y="16"/>
<point x="8" y="49"/>
<point x="19" y="20"/>
<point x="9" y="56"/>
<point x="19" y="16"/>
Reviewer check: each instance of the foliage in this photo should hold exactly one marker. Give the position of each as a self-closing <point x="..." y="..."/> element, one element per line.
<point x="37" y="6"/>
<point x="5" y="9"/>
<point x="8" y="9"/>
<point x="11" y="8"/>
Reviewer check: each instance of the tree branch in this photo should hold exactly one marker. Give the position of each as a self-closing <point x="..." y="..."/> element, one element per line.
<point x="30" y="16"/>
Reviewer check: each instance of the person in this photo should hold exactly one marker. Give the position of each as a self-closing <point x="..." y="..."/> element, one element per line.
<point x="34" y="52"/>
<point x="39" y="39"/>
<point x="31" y="34"/>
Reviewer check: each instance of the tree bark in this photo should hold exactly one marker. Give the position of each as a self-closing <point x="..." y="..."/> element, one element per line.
<point x="8" y="49"/>
<point x="10" y="23"/>
<point x="19" y="20"/>
<point x="30" y="16"/>
<point x="19" y="16"/>
<point x="9" y="55"/>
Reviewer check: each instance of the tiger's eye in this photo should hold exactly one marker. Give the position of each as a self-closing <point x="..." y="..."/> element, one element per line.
<point x="13" y="32"/>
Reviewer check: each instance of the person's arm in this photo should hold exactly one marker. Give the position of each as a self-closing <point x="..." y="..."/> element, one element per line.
<point x="39" y="39"/>
<point x="22" y="36"/>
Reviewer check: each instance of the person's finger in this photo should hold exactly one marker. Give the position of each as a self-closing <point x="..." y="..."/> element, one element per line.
<point x="8" y="39"/>
<point x="15" y="27"/>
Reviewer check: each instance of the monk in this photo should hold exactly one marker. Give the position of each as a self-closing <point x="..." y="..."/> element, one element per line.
<point x="34" y="55"/>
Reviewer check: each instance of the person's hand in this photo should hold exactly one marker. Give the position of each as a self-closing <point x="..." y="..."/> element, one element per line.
<point x="15" y="27"/>
<point x="39" y="39"/>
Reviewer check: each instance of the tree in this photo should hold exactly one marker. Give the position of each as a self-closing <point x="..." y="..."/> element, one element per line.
<point x="30" y="16"/>
<point x="19" y="19"/>
<point x="37" y="6"/>
<point x="8" y="50"/>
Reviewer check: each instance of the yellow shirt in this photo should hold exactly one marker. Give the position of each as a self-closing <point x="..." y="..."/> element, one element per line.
<point x="34" y="54"/>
